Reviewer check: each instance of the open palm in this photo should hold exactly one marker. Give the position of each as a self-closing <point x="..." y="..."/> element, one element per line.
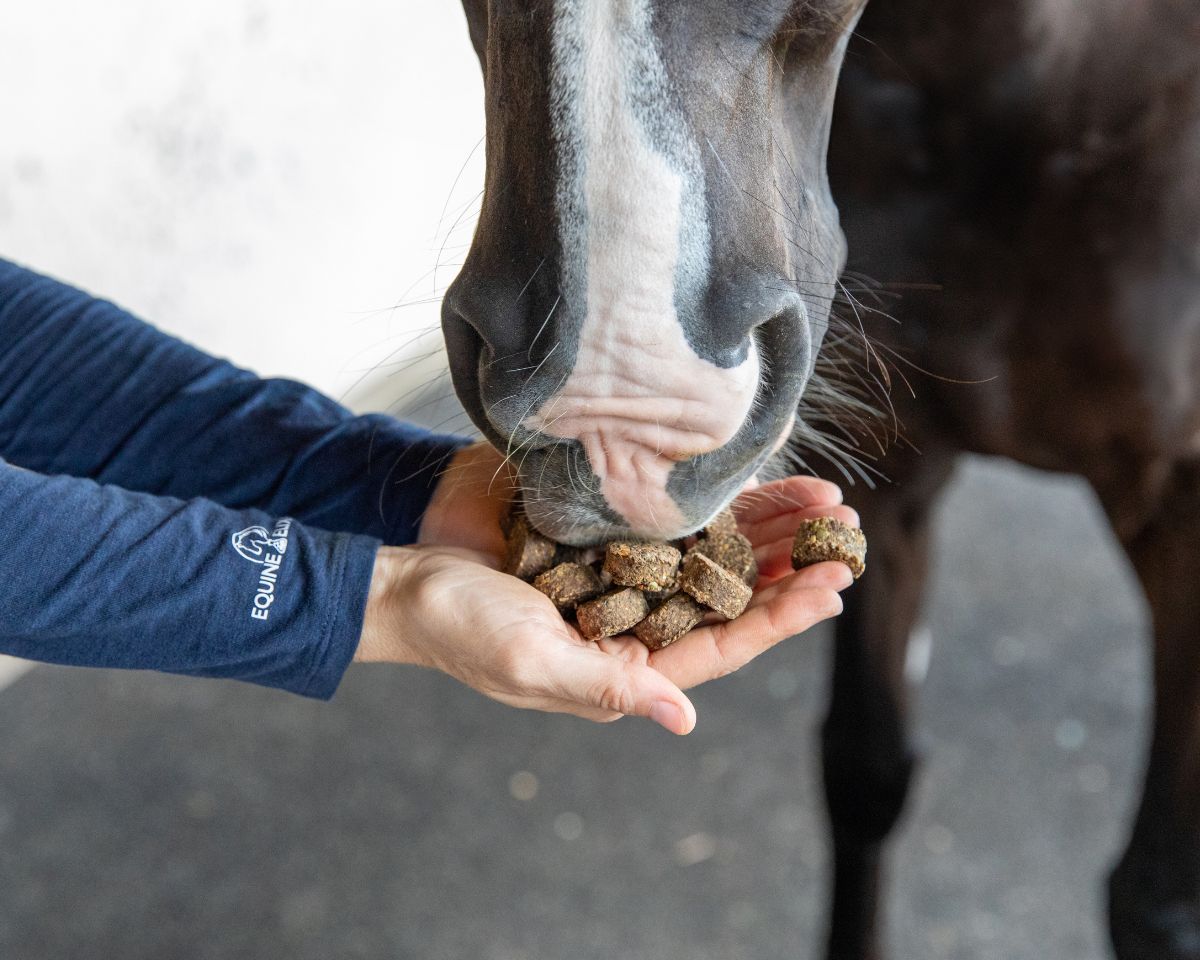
<point x="528" y="656"/>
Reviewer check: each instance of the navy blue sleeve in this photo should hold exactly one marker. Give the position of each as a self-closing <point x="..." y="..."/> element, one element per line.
<point x="88" y="390"/>
<point x="162" y="509"/>
<point x="99" y="576"/>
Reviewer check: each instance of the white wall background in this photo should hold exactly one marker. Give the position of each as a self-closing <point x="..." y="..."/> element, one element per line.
<point x="273" y="180"/>
<point x="263" y="178"/>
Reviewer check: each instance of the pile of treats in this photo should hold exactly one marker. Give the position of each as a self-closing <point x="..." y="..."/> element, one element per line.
<point x="660" y="591"/>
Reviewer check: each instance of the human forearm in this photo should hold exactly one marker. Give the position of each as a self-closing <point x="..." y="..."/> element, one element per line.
<point x="87" y="389"/>
<point x="95" y="575"/>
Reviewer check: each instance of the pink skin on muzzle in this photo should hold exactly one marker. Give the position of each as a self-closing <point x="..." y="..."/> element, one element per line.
<point x="639" y="408"/>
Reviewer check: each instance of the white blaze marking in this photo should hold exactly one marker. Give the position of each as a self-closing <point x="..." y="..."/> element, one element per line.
<point x="635" y="243"/>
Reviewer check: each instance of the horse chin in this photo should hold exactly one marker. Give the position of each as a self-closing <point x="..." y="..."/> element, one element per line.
<point x="573" y="522"/>
<point x="562" y="504"/>
<point x="582" y="531"/>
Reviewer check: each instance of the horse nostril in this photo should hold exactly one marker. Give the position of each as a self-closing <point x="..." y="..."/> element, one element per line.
<point x="458" y="315"/>
<point x="788" y="335"/>
<point x="469" y="352"/>
<point x="502" y="371"/>
<point x="746" y="310"/>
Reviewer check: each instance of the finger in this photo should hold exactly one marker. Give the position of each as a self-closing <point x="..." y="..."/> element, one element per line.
<point x="594" y="714"/>
<point x="783" y="496"/>
<point x="793" y="610"/>
<point x="592" y="678"/>
<point x="556" y="705"/>
<point x="626" y="648"/>
<point x="821" y="576"/>
<point x="781" y="525"/>
<point x="831" y="575"/>
<point x="774" y="561"/>
<point x="788" y="608"/>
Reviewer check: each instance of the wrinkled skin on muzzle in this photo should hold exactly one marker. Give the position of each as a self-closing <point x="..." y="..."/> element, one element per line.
<point x="650" y="279"/>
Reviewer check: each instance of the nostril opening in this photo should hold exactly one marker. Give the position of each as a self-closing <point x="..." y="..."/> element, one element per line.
<point x="788" y="328"/>
<point x="479" y="306"/>
<point x="456" y="312"/>
<point x="748" y="312"/>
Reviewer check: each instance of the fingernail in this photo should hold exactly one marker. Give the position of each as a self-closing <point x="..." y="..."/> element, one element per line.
<point x="847" y="578"/>
<point x="667" y="715"/>
<point x="838" y="496"/>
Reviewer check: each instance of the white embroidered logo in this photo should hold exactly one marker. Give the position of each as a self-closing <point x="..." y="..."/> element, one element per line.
<point x="266" y="548"/>
<point x="253" y="543"/>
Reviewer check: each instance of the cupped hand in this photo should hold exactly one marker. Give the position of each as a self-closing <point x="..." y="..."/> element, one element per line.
<point x="443" y="605"/>
<point x="448" y="609"/>
<point x="784" y="604"/>
<point x="769" y="515"/>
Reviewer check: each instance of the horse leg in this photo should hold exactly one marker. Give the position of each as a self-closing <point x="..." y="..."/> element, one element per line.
<point x="868" y="758"/>
<point x="1154" y="891"/>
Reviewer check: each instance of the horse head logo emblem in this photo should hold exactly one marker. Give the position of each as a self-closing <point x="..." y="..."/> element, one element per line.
<point x="254" y="543"/>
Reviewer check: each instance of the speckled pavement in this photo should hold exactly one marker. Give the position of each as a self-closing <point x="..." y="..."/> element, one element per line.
<point x="154" y="817"/>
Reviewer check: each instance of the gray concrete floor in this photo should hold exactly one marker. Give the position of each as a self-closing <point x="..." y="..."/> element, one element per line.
<point x="154" y="817"/>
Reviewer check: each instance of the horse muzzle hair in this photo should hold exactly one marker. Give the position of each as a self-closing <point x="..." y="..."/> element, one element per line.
<point x="649" y="283"/>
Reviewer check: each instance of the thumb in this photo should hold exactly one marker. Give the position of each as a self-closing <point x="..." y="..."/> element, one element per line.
<point x="608" y="683"/>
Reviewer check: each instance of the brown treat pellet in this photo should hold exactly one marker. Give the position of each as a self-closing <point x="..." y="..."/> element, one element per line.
<point x="829" y="539"/>
<point x="655" y="597"/>
<point x="650" y="566"/>
<point x="612" y="613"/>
<point x="714" y="586"/>
<point x="723" y="524"/>
<point x="669" y="622"/>
<point x="529" y="553"/>
<point x="732" y="551"/>
<point x="568" y="585"/>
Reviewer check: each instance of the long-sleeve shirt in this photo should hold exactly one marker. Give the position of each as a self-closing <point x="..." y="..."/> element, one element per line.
<point x="163" y="509"/>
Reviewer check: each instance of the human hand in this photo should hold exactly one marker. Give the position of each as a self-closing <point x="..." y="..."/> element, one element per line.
<point x="785" y="602"/>
<point x="466" y="505"/>
<point x="446" y="607"/>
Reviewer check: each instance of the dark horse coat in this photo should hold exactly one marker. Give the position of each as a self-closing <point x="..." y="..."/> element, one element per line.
<point x="1031" y="171"/>
<point x="648" y="292"/>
